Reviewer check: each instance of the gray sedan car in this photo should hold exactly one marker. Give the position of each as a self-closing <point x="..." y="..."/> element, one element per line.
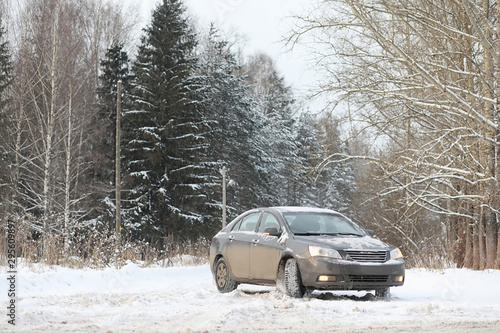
<point x="301" y="249"/>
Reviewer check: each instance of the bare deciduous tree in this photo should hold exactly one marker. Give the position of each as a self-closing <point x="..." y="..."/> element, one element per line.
<point x="422" y="76"/>
<point x="57" y="50"/>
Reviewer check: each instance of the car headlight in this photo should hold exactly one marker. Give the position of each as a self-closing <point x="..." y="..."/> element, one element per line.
<point x="316" y="251"/>
<point x="396" y="254"/>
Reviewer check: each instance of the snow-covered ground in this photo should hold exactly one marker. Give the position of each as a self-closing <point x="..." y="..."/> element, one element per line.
<point x="184" y="299"/>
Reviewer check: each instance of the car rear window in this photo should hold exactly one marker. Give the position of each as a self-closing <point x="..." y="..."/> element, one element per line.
<point x="249" y="222"/>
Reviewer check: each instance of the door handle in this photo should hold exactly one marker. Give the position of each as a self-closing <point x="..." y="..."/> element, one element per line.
<point x="255" y="241"/>
<point x="231" y="238"/>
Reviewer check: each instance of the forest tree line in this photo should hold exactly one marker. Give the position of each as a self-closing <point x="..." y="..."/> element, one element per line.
<point x="191" y="104"/>
<point x="408" y="145"/>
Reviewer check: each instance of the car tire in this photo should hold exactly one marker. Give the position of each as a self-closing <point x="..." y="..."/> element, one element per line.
<point x="292" y="281"/>
<point x="223" y="279"/>
<point x="280" y="279"/>
<point x="383" y="293"/>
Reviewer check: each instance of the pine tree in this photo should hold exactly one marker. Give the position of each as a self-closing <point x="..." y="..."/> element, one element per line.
<point x="278" y="156"/>
<point x="114" y="67"/>
<point x="235" y="139"/>
<point x="309" y="155"/>
<point x="164" y="145"/>
<point x="336" y="183"/>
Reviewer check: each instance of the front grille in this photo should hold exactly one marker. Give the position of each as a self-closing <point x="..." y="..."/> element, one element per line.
<point x="367" y="256"/>
<point x="368" y="278"/>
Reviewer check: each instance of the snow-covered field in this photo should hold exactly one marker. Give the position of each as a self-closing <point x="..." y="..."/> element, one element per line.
<point x="184" y="299"/>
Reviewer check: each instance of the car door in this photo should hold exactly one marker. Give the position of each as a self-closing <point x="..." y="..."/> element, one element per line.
<point x="238" y="248"/>
<point x="265" y="251"/>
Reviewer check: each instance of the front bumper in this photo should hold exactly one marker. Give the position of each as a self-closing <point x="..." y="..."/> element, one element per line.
<point x="350" y="275"/>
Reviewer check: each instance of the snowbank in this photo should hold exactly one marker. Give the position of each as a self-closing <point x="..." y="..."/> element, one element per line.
<point x="184" y="299"/>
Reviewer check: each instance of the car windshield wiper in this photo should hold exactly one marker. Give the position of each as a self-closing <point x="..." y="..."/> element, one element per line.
<point x="326" y="234"/>
<point x="308" y="234"/>
<point x="345" y="234"/>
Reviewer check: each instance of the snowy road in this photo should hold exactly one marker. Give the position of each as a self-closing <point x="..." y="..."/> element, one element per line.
<point x="184" y="299"/>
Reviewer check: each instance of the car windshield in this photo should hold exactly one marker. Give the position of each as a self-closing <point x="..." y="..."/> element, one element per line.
<point x="306" y="223"/>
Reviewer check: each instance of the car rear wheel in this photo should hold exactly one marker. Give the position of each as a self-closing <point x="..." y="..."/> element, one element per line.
<point x="222" y="277"/>
<point x="293" y="282"/>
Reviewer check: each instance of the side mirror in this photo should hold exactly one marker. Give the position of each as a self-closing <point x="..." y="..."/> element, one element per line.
<point x="371" y="233"/>
<point x="272" y="231"/>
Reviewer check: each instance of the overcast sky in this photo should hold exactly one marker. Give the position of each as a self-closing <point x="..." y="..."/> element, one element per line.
<point x="262" y="22"/>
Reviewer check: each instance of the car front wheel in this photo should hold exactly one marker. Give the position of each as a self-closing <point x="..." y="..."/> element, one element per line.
<point x="293" y="282"/>
<point x="222" y="277"/>
<point x="382" y="293"/>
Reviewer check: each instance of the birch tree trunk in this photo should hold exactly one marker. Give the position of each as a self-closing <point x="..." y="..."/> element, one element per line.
<point x="67" y="178"/>
<point x="496" y="165"/>
<point x="488" y="232"/>
<point x="49" y="134"/>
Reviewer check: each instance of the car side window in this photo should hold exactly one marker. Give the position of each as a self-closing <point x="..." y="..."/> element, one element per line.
<point x="269" y="221"/>
<point x="249" y="222"/>
<point x="236" y="226"/>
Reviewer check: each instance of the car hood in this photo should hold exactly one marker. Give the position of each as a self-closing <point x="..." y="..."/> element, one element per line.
<point x="345" y="242"/>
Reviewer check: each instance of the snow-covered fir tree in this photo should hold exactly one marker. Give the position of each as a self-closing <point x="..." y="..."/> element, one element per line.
<point x="228" y="108"/>
<point x="335" y="183"/>
<point x="303" y="189"/>
<point x="274" y="102"/>
<point x="114" y="68"/>
<point x="164" y="146"/>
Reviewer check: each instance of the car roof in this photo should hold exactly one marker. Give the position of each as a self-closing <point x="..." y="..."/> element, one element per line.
<point x="296" y="209"/>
